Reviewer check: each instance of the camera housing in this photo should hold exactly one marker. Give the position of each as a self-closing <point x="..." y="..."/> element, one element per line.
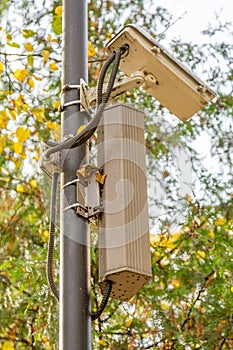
<point x="166" y="79"/>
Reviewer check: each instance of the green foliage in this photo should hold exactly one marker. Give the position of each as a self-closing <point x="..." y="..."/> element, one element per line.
<point x="188" y="302"/>
<point x="57" y="25"/>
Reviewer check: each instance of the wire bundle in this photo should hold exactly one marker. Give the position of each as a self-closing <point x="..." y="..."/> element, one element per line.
<point x="90" y="128"/>
<point x="73" y="142"/>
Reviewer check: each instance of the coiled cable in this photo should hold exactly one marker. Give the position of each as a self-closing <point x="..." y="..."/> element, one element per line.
<point x="86" y="133"/>
<point x="108" y="289"/>
<point x="52" y="226"/>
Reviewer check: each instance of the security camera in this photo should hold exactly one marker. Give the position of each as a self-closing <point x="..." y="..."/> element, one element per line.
<point x="165" y="78"/>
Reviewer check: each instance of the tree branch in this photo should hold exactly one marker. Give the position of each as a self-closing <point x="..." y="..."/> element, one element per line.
<point x="18" y="340"/>
<point x="198" y="297"/>
<point x="8" y="282"/>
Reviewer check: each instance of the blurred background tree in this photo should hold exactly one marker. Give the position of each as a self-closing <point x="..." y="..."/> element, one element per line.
<point x="188" y="302"/>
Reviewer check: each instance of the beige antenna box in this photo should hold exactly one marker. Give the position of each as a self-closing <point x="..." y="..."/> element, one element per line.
<point x="124" y="241"/>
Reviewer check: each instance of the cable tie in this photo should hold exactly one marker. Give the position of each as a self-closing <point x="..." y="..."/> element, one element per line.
<point x="67" y="87"/>
<point x="72" y="206"/>
<point x="67" y="104"/>
<point x="70" y="183"/>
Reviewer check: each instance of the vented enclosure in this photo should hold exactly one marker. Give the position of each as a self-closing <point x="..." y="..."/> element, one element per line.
<point x="124" y="242"/>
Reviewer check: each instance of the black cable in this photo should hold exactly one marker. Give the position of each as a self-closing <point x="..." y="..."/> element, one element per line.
<point x="112" y="78"/>
<point x="108" y="289"/>
<point x="101" y="77"/>
<point x="100" y="84"/>
<point x="76" y="141"/>
<point x="89" y="130"/>
<point x="91" y="127"/>
<point x="52" y="226"/>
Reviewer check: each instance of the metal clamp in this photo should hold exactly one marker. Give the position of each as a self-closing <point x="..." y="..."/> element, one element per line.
<point x="121" y="86"/>
<point x="50" y="164"/>
<point x="87" y="96"/>
<point x="81" y="93"/>
<point x="89" y="201"/>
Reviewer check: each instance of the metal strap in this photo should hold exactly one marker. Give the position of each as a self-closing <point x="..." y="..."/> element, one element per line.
<point x="71" y="183"/>
<point x="69" y="87"/>
<point x="72" y="206"/>
<point x="71" y="103"/>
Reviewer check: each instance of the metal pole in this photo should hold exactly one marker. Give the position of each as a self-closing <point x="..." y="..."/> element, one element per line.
<point x="74" y="313"/>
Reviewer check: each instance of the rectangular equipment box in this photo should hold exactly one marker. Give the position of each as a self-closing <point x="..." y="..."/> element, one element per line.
<point x="173" y="85"/>
<point x="124" y="241"/>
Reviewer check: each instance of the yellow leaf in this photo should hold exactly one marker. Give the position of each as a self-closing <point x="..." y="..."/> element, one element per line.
<point x="45" y="54"/>
<point x="2" y="144"/>
<point x="231" y="289"/>
<point x="21" y="74"/>
<point x="8" y="345"/>
<point x="31" y="83"/>
<point x="219" y="222"/>
<point x="44" y="339"/>
<point x="30" y="60"/>
<point x="5" y="179"/>
<point x="23" y="155"/>
<point x="81" y="128"/>
<point x="20" y="188"/>
<point x="53" y="66"/>
<point x="36" y="77"/>
<point x="18" y="147"/>
<point x="188" y="198"/>
<point x="12" y="113"/>
<point x="201" y="254"/>
<point x="1" y="67"/>
<point x="39" y="114"/>
<point x="52" y="125"/>
<point x="109" y="36"/>
<point x="18" y="102"/>
<point x="58" y="11"/>
<point x="165" y="306"/>
<point x="36" y="158"/>
<point x="91" y="50"/>
<point x="8" y="35"/>
<point x="45" y="235"/>
<point x="50" y="39"/>
<point x="57" y="132"/>
<point x="3" y="119"/>
<point x="100" y="177"/>
<point x="13" y="44"/>
<point x="211" y="234"/>
<point x="17" y="163"/>
<point x="102" y="342"/>
<point x="3" y="93"/>
<point x="4" y="171"/>
<point x="33" y="183"/>
<point x="166" y="241"/>
<point x="128" y="323"/>
<point x="28" y="47"/>
<point x="22" y="134"/>
<point x="56" y="104"/>
<point x="176" y="283"/>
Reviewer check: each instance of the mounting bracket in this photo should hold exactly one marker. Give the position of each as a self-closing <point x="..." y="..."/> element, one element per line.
<point x="89" y="188"/>
<point x="51" y="164"/>
<point x="122" y="85"/>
